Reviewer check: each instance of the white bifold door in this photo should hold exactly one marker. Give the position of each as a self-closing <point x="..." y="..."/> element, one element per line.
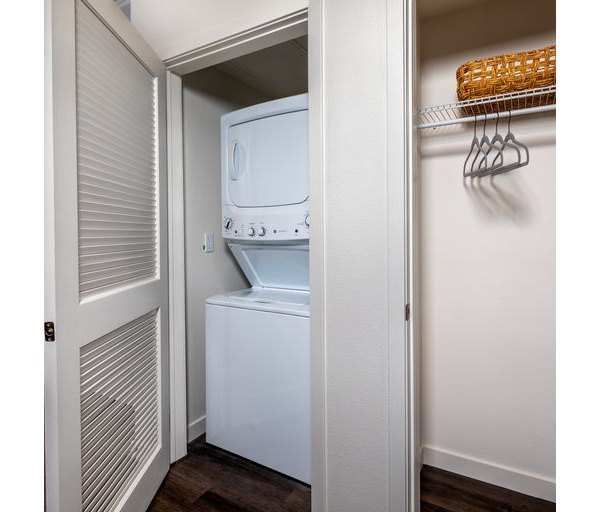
<point x="106" y="381"/>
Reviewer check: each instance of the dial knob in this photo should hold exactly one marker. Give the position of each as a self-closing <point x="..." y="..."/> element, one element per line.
<point x="228" y="223"/>
<point x="307" y="219"/>
<point x="251" y="232"/>
<point x="262" y="231"/>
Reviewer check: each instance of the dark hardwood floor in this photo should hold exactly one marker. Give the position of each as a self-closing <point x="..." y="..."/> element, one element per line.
<point x="442" y="491"/>
<point x="209" y="480"/>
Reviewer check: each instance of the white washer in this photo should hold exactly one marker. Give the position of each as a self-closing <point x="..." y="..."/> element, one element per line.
<point x="258" y="378"/>
<point x="258" y="361"/>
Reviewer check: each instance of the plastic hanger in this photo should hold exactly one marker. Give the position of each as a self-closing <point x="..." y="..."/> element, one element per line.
<point x="474" y="144"/>
<point x="510" y="138"/>
<point x="497" y="143"/>
<point x="511" y="141"/>
<point x="484" y="143"/>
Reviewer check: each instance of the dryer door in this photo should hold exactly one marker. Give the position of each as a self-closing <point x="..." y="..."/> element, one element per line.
<point x="267" y="161"/>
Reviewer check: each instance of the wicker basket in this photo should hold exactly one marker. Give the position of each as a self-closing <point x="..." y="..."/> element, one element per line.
<point x="505" y="74"/>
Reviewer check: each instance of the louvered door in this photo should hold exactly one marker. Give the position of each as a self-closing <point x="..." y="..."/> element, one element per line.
<point x="106" y="372"/>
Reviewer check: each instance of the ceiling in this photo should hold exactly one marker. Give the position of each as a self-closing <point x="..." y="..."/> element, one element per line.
<point x="433" y="8"/>
<point x="278" y="71"/>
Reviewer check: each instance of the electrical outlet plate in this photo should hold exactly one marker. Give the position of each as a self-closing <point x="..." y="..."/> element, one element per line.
<point x="209" y="242"/>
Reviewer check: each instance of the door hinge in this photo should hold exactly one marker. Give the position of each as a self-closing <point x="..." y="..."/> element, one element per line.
<point x="407" y="312"/>
<point x="49" y="331"/>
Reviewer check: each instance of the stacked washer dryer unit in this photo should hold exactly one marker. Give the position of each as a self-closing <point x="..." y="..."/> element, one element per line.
<point x="257" y="340"/>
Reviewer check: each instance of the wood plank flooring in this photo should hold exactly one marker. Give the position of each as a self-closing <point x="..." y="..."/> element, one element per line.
<point x="442" y="491"/>
<point x="209" y="480"/>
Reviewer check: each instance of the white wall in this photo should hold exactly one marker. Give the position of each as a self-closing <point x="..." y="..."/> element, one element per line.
<point x="177" y="26"/>
<point x="207" y="95"/>
<point x="488" y="281"/>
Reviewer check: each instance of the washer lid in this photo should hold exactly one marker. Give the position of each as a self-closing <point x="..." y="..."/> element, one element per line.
<point x="273" y="266"/>
<point x="288" y="302"/>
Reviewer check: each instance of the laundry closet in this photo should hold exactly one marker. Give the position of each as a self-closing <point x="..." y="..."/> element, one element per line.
<point x="245" y="161"/>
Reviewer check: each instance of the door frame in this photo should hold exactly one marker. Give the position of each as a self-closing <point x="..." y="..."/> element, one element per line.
<point x="404" y="360"/>
<point x="270" y="33"/>
<point x="403" y="305"/>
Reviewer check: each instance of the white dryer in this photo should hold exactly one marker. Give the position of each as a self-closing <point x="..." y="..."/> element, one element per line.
<point x="264" y="178"/>
<point x="258" y="340"/>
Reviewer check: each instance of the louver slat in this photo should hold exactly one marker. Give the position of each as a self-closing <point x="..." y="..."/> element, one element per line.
<point x="119" y="389"/>
<point x="100" y="258"/>
<point x="111" y="173"/>
<point x="123" y="263"/>
<point x="94" y="152"/>
<point x="111" y="209"/>
<point x="98" y="422"/>
<point x="117" y="169"/>
<point x="118" y="249"/>
<point x="94" y="407"/>
<point x="115" y="192"/>
<point x="105" y="444"/>
<point x="102" y="179"/>
<point x="102" y="217"/>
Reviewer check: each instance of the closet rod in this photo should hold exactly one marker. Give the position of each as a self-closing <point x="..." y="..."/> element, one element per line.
<point x="491" y="116"/>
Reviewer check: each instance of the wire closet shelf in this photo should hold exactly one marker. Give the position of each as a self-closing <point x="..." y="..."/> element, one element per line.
<point x="542" y="99"/>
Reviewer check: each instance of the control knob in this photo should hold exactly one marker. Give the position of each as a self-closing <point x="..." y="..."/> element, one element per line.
<point x="251" y="232"/>
<point x="262" y="231"/>
<point x="228" y="223"/>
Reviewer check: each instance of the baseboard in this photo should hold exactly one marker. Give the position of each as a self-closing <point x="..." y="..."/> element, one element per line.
<point x="196" y="428"/>
<point x="503" y="476"/>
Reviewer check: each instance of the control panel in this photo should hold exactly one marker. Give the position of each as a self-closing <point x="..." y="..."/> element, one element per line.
<point x="288" y="226"/>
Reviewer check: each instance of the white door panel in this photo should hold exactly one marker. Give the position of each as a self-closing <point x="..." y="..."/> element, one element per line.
<point x="107" y="442"/>
<point x="116" y="143"/>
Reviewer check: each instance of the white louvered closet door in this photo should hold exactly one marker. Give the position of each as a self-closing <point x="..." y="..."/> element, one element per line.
<point x="107" y="442"/>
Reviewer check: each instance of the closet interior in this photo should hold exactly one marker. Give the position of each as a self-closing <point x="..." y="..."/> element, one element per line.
<point x="486" y="249"/>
